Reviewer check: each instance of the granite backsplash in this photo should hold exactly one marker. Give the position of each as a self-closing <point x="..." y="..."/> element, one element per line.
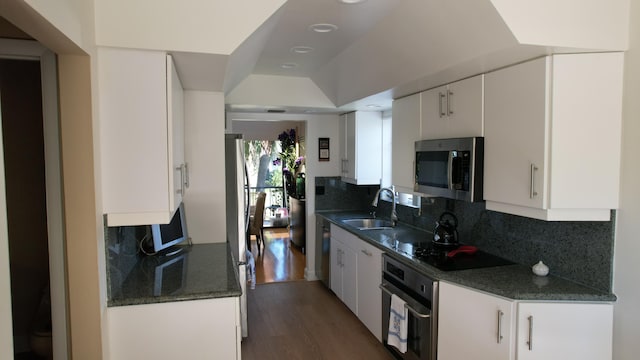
<point x="580" y="251"/>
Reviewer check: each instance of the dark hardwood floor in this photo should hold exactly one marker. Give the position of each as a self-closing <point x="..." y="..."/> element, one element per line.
<point x="305" y="320"/>
<point x="279" y="259"/>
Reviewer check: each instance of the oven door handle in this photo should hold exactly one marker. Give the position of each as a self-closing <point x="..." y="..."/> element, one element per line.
<point x="411" y="309"/>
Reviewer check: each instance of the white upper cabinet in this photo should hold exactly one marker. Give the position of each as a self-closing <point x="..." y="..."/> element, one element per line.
<point x="141" y="136"/>
<point x="405" y="131"/>
<point x="361" y="147"/>
<point x="454" y="110"/>
<point x="552" y="137"/>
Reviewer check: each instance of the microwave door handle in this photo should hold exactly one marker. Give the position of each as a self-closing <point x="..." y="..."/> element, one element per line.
<point x="452" y="156"/>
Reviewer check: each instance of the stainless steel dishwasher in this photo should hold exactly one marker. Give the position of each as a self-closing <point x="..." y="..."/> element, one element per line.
<point x="323" y="249"/>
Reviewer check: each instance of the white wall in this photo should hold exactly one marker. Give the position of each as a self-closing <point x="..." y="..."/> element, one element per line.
<point x="204" y="152"/>
<point x="279" y="91"/>
<point x="317" y="126"/>
<point x="212" y="27"/>
<point x="627" y="243"/>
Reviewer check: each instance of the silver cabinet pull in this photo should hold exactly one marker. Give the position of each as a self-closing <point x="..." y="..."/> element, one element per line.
<point x="500" y="315"/>
<point x="532" y="191"/>
<point x="415" y="312"/>
<point x="368" y="253"/>
<point x="441" y="98"/>
<point x="530" y="342"/>
<point x="449" y="99"/>
<point x="186" y="175"/>
<point x="181" y="189"/>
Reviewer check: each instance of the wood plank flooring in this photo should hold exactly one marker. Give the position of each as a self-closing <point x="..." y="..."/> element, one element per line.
<point x="279" y="259"/>
<point x="305" y="320"/>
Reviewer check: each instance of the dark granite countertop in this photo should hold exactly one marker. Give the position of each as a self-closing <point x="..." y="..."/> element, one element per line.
<point x="515" y="282"/>
<point x="201" y="271"/>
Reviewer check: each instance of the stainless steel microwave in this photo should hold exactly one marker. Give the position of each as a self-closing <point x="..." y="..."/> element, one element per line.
<point x="450" y="168"/>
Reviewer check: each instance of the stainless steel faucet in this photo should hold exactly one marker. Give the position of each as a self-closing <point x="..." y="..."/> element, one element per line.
<point x="392" y="190"/>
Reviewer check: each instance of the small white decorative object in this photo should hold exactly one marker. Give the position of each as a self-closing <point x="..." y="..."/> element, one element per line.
<point x="540" y="269"/>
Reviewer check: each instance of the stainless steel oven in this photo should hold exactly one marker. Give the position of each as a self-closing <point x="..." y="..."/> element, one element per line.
<point x="420" y="294"/>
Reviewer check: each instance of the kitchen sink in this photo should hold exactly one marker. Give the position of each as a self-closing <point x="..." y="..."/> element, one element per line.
<point x="369" y="224"/>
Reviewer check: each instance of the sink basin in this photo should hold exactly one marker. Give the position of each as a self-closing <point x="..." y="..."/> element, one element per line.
<point x="369" y="224"/>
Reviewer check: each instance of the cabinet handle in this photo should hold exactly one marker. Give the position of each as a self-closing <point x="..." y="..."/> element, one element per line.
<point x="181" y="189"/>
<point x="532" y="191"/>
<point x="368" y="253"/>
<point x="449" y="98"/>
<point x="441" y="98"/>
<point x="530" y="342"/>
<point x="500" y="315"/>
<point x="186" y="175"/>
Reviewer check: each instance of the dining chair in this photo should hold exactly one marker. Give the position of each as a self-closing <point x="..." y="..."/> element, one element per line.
<point x="256" y="222"/>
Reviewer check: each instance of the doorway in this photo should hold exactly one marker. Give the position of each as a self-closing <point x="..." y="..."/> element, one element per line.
<point x="32" y="185"/>
<point x="282" y="257"/>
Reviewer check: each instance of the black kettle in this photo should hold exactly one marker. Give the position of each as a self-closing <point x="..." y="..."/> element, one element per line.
<point x="445" y="233"/>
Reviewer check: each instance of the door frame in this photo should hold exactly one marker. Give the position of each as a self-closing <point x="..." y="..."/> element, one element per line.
<point x="32" y="50"/>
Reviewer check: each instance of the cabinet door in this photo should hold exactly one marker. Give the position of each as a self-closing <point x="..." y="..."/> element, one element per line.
<point x="405" y="131"/>
<point x="516" y="125"/>
<point x="350" y="146"/>
<point x="207" y="327"/>
<point x="369" y="293"/>
<point x="368" y="147"/>
<point x="465" y="108"/>
<point x="434" y="113"/>
<point x="564" y="331"/>
<point x="176" y="134"/>
<point x="134" y="136"/>
<point x="349" y="278"/>
<point x="474" y="325"/>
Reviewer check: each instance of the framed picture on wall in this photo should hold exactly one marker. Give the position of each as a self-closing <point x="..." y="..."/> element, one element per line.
<point x="323" y="149"/>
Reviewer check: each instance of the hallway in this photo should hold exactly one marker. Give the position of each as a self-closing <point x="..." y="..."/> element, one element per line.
<point x="304" y="320"/>
<point x="279" y="259"/>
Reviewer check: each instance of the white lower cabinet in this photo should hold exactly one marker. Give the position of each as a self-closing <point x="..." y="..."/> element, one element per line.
<point x="564" y="331"/>
<point x="356" y="269"/>
<point x="478" y="325"/>
<point x="368" y="280"/>
<point x="198" y="329"/>
<point x="474" y="325"/>
<point x="343" y="273"/>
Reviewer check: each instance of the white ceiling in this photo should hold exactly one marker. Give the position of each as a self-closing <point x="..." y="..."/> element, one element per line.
<point x="292" y="29"/>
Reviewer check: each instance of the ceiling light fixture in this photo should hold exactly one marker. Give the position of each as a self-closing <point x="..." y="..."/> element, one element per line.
<point x="302" y="49"/>
<point x="288" y="65"/>
<point x="323" y="28"/>
<point x="373" y="106"/>
<point x="351" y="2"/>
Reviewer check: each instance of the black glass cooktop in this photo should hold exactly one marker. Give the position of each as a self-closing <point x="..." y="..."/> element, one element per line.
<point x="446" y="259"/>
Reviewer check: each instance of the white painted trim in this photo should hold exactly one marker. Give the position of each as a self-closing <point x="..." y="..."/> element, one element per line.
<point x="31" y="50"/>
<point x="6" y="324"/>
<point x="55" y="209"/>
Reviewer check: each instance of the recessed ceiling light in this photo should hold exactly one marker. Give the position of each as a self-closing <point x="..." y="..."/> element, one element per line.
<point x="373" y="106"/>
<point x="323" y="28"/>
<point x="288" y="65"/>
<point x="302" y="49"/>
<point x="351" y="2"/>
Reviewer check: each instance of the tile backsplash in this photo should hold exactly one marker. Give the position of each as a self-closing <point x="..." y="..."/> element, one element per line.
<point x="581" y="251"/>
